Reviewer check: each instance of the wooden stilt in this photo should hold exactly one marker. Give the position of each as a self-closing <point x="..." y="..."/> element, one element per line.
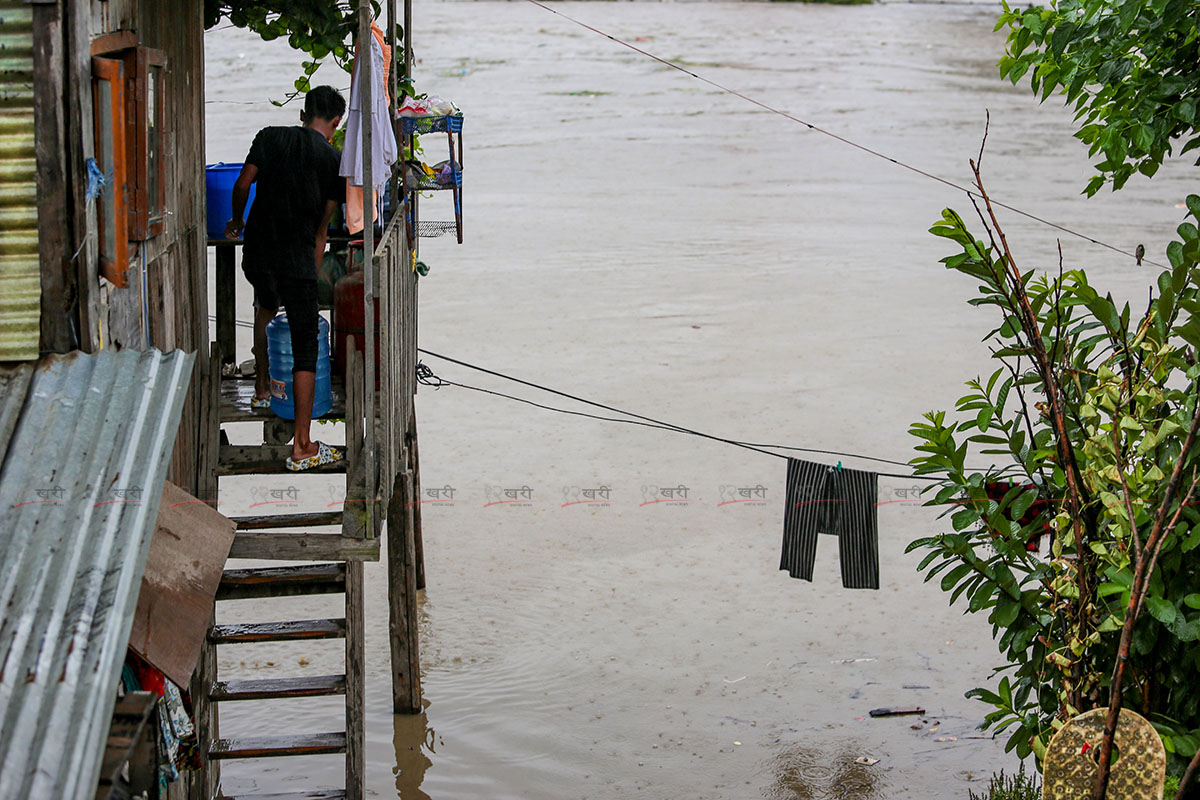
<point x="355" y="673"/>
<point x="414" y="464"/>
<point x="208" y="778"/>
<point x="209" y="442"/>
<point x="402" y="599"/>
<point x="226" y="301"/>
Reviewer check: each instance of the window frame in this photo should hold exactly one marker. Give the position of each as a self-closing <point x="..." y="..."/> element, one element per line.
<point x="145" y="220"/>
<point x="114" y="256"/>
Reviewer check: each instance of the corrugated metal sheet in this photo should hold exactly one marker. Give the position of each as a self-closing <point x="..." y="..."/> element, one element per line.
<point x="20" y="273"/>
<point x="79" y="493"/>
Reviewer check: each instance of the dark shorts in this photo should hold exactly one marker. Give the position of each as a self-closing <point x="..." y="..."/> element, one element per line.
<point x="299" y="299"/>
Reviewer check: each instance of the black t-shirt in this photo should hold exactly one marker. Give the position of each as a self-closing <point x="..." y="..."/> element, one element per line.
<point x="297" y="176"/>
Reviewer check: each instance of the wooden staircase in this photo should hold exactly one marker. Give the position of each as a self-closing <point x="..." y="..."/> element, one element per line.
<point x="292" y="581"/>
<point x="332" y="563"/>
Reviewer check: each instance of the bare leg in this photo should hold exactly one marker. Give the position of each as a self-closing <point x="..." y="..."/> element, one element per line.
<point x="304" y="389"/>
<point x="262" y="385"/>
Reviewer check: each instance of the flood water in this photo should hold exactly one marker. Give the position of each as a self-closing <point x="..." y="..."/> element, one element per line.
<point x="641" y="239"/>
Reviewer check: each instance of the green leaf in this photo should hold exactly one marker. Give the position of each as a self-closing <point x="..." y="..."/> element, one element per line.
<point x="1186" y="744"/>
<point x="1006" y="614"/>
<point x="1193" y="200"/>
<point x="1022" y="503"/>
<point x="1162" y="610"/>
<point x="951" y="578"/>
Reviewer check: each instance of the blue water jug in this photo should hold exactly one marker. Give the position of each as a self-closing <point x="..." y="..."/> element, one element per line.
<point x="279" y="354"/>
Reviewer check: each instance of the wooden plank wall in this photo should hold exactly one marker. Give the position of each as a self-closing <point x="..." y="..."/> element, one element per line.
<point x="173" y="264"/>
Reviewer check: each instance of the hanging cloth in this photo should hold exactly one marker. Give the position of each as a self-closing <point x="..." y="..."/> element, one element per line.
<point x="383" y="142"/>
<point x="824" y="499"/>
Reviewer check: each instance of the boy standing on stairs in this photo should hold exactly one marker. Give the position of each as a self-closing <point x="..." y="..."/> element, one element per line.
<point x="296" y="169"/>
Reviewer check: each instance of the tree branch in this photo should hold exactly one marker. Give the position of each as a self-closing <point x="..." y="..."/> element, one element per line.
<point x="1141" y="578"/>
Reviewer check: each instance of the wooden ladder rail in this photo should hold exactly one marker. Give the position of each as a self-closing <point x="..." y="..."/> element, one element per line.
<point x="344" y="576"/>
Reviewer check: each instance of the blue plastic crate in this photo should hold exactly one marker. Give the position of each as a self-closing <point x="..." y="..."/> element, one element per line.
<point x="452" y="123"/>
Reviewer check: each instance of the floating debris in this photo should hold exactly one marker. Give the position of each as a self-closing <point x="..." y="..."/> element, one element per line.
<point x="894" y="712"/>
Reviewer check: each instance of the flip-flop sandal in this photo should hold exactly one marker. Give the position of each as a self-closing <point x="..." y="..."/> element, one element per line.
<point x="260" y="402"/>
<point x="325" y="455"/>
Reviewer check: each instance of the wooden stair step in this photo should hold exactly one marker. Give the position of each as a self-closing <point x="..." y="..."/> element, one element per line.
<point x="316" y="519"/>
<point x="315" y="794"/>
<point x="237" y="392"/>
<point x="290" y="630"/>
<point x="306" y="744"/>
<point x="241" y="584"/>
<point x="284" y="546"/>
<point x="273" y="688"/>
<point x="267" y="459"/>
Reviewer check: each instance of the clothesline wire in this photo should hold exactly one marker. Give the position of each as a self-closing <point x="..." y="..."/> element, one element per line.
<point x="844" y="140"/>
<point x="638" y="419"/>
<point x="578" y="399"/>
<point x="428" y="378"/>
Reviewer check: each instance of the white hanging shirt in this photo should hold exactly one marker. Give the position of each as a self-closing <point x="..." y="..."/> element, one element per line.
<point x="383" y="137"/>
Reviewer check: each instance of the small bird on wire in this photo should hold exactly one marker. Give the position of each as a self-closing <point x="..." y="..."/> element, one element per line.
<point x="1139" y="253"/>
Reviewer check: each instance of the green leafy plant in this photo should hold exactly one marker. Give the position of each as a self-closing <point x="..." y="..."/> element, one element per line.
<point x="1091" y="418"/>
<point x="1016" y="787"/>
<point x="1127" y="66"/>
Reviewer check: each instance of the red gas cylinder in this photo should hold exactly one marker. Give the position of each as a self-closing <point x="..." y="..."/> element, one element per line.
<point x="348" y="321"/>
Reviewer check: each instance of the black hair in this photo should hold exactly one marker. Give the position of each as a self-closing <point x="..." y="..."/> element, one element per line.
<point x="324" y="102"/>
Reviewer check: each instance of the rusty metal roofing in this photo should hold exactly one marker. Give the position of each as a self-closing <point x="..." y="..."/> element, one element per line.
<point x="20" y="271"/>
<point x="86" y="440"/>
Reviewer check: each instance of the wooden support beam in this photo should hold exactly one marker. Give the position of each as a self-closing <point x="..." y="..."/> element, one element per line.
<point x="226" y="301"/>
<point x="402" y="599"/>
<point x="414" y="464"/>
<point x="366" y="85"/>
<point x="208" y="444"/>
<point x="355" y="676"/>
<point x="203" y="782"/>
<point x="57" y="269"/>
<point x="80" y="145"/>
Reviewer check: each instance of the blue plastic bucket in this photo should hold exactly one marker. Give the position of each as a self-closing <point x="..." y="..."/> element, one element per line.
<point x="219" y="180"/>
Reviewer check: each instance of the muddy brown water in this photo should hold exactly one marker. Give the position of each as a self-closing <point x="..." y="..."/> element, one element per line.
<point x="638" y="238"/>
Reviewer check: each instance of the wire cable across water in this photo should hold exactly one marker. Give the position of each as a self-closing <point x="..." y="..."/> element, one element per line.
<point x="767" y="107"/>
